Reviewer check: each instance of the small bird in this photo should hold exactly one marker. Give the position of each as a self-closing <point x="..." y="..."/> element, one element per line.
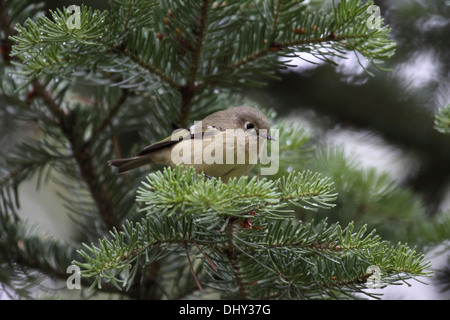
<point x="225" y="144"/>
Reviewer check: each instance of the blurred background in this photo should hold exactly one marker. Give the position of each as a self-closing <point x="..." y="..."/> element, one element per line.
<point x="383" y="121"/>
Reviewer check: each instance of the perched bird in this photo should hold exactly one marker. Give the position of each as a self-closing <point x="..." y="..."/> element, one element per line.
<point x="225" y="144"/>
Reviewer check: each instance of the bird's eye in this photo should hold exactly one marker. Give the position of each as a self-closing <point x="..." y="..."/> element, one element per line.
<point x="249" y="126"/>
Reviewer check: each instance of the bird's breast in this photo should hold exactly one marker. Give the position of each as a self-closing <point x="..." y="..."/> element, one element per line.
<point x="224" y="154"/>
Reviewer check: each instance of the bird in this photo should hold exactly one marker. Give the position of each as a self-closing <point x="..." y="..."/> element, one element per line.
<point x="225" y="144"/>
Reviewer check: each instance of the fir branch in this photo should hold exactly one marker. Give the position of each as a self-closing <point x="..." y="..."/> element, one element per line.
<point x="192" y="268"/>
<point x="320" y="40"/>
<point x="277" y="15"/>
<point x="442" y="120"/>
<point x="302" y="265"/>
<point x="187" y="91"/>
<point x="311" y="189"/>
<point x="232" y="256"/>
<point x="150" y="68"/>
<point x="82" y="155"/>
<point x="324" y="36"/>
<point x="23" y="162"/>
<point x="263" y="261"/>
<point x="295" y="147"/>
<point x="33" y="254"/>
<point x="128" y="15"/>
<point x="112" y="114"/>
<point x="184" y="57"/>
<point x="29" y="249"/>
<point x="209" y="200"/>
<point x="52" y="47"/>
<point x="132" y="14"/>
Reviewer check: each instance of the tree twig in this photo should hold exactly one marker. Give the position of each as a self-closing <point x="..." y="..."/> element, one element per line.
<point x="83" y="156"/>
<point x="192" y="267"/>
<point x="188" y="91"/>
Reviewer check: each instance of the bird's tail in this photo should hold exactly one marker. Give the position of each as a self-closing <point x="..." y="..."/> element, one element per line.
<point x="124" y="165"/>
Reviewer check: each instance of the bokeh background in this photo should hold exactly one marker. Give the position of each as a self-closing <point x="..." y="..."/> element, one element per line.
<point x="384" y="121"/>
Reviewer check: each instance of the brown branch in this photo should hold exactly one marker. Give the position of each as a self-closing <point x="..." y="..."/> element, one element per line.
<point x="83" y="157"/>
<point x="114" y="110"/>
<point x="127" y="17"/>
<point x="357" y="280"/>
<point x="160" y="74"/>
<point x="274" y="47"/>
<point x="234" y="261"/>
<point x="206" y="257"/>
<point x="15" y="173"/>
<point x="192" y="267"/>
<point x="277" y="15"/>
<point x="199" y="44"/>
<point x="188" y="91"/>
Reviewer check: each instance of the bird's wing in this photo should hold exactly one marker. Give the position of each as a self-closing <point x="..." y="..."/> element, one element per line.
<point x="176" y="137"/>
<point x="167" y="142"/>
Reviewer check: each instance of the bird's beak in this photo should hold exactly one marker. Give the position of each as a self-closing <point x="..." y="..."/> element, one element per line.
<point x="267" y="137"/>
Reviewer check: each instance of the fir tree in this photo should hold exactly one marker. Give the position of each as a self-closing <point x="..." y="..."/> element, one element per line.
<point x="92" y="81"/>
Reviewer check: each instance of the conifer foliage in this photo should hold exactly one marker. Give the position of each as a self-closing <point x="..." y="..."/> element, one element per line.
<point x="442" y="120"/>
<point x="89" y="80"/>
